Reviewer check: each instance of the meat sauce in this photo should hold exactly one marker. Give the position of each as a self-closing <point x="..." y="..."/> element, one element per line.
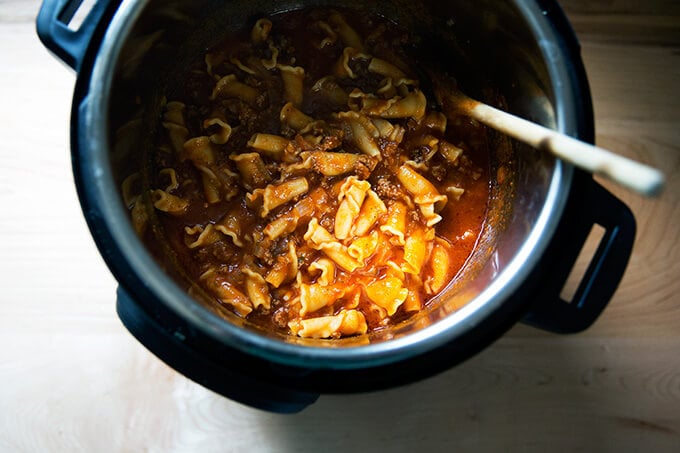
<point x="212" y="196"/>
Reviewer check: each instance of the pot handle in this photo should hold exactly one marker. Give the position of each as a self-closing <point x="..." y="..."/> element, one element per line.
<point x="68" y="44"/>
<point x="604" y="272"/>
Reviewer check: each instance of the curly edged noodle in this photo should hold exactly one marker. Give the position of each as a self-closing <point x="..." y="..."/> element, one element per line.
<point x="371" y="251"/>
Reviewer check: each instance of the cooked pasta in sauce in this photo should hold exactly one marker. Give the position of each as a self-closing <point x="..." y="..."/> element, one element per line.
<point x="305" y="181"/>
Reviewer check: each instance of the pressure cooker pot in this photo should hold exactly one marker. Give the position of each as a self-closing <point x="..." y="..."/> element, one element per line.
<point x="540" y="210"/>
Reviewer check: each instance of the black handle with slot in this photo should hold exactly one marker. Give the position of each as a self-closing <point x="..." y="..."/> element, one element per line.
<point x="586" y="208"/>
<point x="70" y="45"/>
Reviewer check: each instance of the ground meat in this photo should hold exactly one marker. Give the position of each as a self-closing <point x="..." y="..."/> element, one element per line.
<point x="280" y="317"/>
<point x="262" y="248"/>
<point x="330" y="142"/>
<point x="364" y="167"/>
<point x="386" y="189"/>
<point x="438" y="172"/>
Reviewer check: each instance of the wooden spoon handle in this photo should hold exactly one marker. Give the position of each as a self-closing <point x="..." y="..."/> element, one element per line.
<point x="629" y="173"/>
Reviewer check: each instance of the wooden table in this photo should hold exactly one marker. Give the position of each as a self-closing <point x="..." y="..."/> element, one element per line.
<point x="73" y="379"/>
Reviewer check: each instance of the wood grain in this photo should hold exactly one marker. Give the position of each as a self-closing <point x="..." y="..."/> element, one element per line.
<point x="73" y="379"/>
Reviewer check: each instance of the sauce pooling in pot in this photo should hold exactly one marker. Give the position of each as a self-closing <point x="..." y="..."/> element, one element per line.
<point x="304" y="181"/>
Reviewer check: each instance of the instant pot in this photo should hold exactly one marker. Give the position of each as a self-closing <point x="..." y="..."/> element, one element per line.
<point x="126" y="52"/>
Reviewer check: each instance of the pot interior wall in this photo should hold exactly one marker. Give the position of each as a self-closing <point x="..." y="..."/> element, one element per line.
<point x="484" y="43"/>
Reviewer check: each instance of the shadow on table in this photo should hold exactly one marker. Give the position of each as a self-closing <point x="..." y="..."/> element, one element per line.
<point x="538" y="392"/>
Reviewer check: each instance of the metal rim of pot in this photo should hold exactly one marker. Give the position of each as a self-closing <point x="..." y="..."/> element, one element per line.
<point x="123" y="251"/>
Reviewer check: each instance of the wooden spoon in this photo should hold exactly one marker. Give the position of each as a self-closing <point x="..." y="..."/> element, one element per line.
<point x="626" y="172"/>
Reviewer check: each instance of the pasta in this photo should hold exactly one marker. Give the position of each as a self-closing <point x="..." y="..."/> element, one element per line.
<point x="351" y="198"/>
<point x="293" y="77"/>
<point x="348" y="35"/>
<point x="386" y="69"/>
<point x="222" y="133"/>
<point x="347" y="322"/>
<point x="327" y="269"/>
<point x="343" y="67"/>
<point x="294" y="118"/>
<point x="328" y="89"/>
<point x="230" y="86"/>
<point x="274" y="196"/>
<point x="285" y="268"/>
<point x="167" y="202"/>
<point x="261" y="30"/>
<point x="362" y="132"/>
<point x="320" y="239"/>
<point x="395" y="222"/>
<point x="257" y="289"/>
<point x="388" y="293"/>
<point x="253" y="171"/>
<point x="372" y="209"/>
<point x="272" y="145"/>
<point x="307" y="184"/>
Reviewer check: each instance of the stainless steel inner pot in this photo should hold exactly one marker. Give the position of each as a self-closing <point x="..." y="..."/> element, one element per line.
<point x="514" y="41"/>
<point x="130" y="51"/>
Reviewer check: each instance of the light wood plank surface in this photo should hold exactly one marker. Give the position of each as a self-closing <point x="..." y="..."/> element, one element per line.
<point x="73" y="379"/>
